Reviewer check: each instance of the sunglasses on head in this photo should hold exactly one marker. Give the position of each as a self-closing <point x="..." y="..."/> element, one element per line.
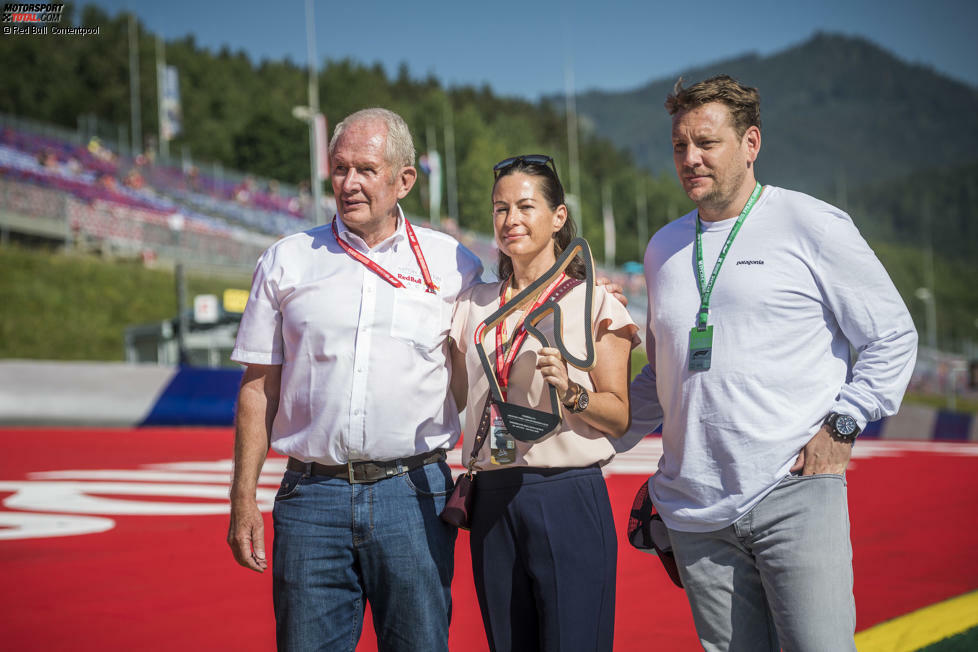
<point x="532" y="159"/>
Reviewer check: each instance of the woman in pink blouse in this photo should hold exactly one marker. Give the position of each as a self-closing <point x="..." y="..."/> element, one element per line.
<point x="543" y="540"/>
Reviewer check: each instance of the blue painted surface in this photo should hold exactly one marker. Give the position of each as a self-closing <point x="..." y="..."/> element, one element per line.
<point x="197" y="397"/>
<point x="952" y="426"/>
<point x="206" y="397"/>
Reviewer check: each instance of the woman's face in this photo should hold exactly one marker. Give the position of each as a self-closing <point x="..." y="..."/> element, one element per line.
<point x="523" y="222"/>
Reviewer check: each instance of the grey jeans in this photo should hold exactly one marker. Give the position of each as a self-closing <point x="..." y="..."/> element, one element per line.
<point x="778" y="578"/>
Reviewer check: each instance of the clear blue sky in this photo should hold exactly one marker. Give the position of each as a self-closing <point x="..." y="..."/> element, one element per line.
<point x="520" y="47"/>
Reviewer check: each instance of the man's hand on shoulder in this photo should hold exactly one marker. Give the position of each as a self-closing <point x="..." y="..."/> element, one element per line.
<point x="246" y="534"/>
<point x="823" y="454"/>
<point x="613" y="289"/>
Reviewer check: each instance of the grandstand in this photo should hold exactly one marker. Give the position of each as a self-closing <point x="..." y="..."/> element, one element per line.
<point x="76" y="190"/>
<point x="59" y="186"/>
<point x="82" y="192"/>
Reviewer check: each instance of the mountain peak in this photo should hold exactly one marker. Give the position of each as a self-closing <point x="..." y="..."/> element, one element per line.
<point x="836" y="109"/>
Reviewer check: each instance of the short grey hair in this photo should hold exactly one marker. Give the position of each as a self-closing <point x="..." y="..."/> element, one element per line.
<point x="399" y="146"/>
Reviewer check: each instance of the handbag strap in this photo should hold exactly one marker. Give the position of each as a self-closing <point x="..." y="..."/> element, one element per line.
<point x="481" y="433"/>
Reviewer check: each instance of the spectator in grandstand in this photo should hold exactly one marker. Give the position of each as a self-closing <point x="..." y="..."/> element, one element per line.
<point x="305" y="197"/>
<point x="752" y="381"/>
<point x="543" y="539"/>
<point x="100" y="151"/>
<point x="48" y="159"/>
<point x="294" y="206"/>
<point x="134" y="180"/>
<point x="244" y="191"/>
<point x="74" y="166"/>
<point x="344" y="339"/>
<point x="193" y="179"/>
<point x="108" y="182"/>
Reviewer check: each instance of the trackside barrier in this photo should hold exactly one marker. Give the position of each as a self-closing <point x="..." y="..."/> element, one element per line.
<point x="35" y="392"/>
<point x="197" y="397"/>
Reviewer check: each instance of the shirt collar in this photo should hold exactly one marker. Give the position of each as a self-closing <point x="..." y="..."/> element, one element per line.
<point x="400" y="234"/>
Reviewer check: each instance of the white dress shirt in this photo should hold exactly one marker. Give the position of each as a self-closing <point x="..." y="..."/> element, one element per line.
<point x="365" y="365"/>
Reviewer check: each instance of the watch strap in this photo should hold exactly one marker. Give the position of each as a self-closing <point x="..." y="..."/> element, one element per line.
<point x="581" y="401"/>
<point x="571" y="404"/>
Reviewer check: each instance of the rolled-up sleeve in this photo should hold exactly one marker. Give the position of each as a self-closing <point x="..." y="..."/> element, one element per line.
<point x="259" y="338"/>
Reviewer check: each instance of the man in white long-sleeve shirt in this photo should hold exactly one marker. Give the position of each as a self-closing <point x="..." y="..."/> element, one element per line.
<point x="755" y="300"/>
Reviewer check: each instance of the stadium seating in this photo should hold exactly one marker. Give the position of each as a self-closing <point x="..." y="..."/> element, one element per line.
<point x="94" y="173"/>
<point x="181" y="211"/>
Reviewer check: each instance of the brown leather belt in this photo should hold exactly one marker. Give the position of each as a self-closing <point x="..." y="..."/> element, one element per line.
<point x="367" y="471"/>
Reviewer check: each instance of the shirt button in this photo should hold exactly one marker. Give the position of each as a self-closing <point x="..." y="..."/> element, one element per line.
<point x="356" y="412"/>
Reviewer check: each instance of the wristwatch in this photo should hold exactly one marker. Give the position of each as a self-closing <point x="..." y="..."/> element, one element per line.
<point x="842" y="427"/>
<point x="581" y="400"/>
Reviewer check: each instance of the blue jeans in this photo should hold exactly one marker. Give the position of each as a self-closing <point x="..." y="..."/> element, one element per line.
<point x="338" y="545"/>
<point x="780" y="578"/>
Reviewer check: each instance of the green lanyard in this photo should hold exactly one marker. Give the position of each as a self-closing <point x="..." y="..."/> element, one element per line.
<point x="706" y="289"/>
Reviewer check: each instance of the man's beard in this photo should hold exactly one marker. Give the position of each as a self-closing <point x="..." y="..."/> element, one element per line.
<point x="721" y="195"/>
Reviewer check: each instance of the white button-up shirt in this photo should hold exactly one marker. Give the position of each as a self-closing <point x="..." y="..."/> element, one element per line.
<point x="365" y="365"/>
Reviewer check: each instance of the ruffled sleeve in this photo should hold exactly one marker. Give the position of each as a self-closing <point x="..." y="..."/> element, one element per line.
<point x="610" y="314"/>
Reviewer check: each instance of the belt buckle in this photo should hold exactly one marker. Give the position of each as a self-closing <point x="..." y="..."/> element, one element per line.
<point x="349" y="471"/>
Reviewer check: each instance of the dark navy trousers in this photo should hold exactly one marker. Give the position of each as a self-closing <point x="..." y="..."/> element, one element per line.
<point x="544" y="554"/>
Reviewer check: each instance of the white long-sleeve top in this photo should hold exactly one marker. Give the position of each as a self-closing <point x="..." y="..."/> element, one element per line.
<point x="799" y="286"/>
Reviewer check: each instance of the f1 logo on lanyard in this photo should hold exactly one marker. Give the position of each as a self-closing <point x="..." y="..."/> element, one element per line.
<point x="700" y="348"/>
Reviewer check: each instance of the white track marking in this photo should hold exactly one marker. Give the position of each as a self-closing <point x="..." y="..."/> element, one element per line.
<point x="68" y="498"/>
<point x="21" y="525"/>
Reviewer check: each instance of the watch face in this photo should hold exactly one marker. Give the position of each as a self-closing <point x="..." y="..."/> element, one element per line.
<point x="845" y="425"/>
<point x="583" y="400"/>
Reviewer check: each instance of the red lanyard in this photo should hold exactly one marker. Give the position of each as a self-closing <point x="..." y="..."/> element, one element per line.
<point x="383" y="273"/>
<point x="504" y="364"/>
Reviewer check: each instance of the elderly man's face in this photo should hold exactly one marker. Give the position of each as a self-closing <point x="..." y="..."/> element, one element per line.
<point x="366" y="187"/>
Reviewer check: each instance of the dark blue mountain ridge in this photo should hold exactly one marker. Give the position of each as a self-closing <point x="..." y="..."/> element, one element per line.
<point x="837" y="111"/>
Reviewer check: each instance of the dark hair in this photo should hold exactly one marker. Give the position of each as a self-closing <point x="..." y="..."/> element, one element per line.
<point x="553" y="193"/>
<point x="744" y="102"/>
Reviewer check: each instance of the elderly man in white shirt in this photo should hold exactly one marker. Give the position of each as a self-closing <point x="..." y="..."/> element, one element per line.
<point x="345" y="342"/>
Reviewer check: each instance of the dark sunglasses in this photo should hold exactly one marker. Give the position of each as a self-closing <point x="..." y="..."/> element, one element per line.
<point x="532" y="159"/>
